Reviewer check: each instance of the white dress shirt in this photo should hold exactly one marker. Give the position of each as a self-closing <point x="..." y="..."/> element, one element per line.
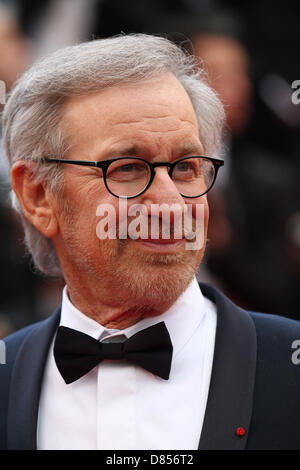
<point x="118" y="405"/>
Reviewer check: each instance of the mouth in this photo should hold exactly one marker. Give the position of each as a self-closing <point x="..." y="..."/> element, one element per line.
<point x="161" y="245"/>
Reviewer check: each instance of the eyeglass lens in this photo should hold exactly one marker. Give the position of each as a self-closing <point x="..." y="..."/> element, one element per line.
<point x="129" y="177"/>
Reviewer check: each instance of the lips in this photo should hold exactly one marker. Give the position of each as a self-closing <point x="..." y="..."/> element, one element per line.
<point x="162" y="246"/>
<point x="160" y="241"/>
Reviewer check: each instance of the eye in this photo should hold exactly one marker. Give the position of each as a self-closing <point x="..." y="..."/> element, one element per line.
<point x="184" y="166"/>
<point x="127" y="170"/>
<point x="187" y="169"/>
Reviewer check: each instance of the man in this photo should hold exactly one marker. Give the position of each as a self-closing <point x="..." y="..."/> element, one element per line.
<point x="138" y="356"/>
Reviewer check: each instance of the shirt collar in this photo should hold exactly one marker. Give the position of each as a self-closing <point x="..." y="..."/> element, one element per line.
<point x="181" y="319"/>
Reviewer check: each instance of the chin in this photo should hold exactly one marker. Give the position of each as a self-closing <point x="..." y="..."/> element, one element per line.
<point x="156" y="279"/>
<point x="164" y="290"/>
<point x="156" y="285"/>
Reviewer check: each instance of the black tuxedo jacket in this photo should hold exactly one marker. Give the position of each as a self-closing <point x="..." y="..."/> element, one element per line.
<point x="254" y="384"/>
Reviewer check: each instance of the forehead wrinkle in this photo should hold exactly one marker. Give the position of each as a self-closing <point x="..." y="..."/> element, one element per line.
<point x="159" y="131"/>
<point x="156" y="126"/>
<point x="155" y="118"/>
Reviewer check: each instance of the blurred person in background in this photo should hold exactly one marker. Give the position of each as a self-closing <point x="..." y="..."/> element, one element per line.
<point x="21" y="291"/>
<point x="14" y="59"/>
<point x="227" y="63"/>
<point x="257" y="264"/>
<point x="14" y="49"/>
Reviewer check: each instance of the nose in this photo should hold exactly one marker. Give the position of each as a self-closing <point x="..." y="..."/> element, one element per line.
<point x="162" y="189"/>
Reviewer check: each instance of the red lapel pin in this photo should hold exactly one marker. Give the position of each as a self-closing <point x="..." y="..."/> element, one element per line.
<point x="240" y="432"/>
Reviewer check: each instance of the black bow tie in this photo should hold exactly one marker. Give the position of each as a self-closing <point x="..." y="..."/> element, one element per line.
<point x="77" y="353"/>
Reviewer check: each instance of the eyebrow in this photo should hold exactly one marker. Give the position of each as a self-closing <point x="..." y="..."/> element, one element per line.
<point x="134" y="150"/>
<point x="191" y="148"/>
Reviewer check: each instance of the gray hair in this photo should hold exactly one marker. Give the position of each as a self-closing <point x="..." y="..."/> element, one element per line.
<point x="32" y="124"/>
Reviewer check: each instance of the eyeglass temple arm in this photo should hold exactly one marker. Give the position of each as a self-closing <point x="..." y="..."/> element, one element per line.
<point x="74" y="162"/>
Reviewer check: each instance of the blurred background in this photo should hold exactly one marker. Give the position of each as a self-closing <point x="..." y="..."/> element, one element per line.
<point x="250" y="51"/>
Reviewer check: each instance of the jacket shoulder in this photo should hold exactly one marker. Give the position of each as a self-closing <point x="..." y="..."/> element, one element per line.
<point x="276" y="410"/>
<point x="15" y="340"/>
<point x="275" y="323"/>
<point x="12" y="344"/>
<point x="277" y="339"/>
<point x="276" y="335"/>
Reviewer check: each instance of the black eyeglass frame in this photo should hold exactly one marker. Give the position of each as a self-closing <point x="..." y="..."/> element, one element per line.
<point x="104" y="165"/>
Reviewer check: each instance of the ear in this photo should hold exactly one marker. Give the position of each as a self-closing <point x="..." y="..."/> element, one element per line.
<point x="35" y="198"/>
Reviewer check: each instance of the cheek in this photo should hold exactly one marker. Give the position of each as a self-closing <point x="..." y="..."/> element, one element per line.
<point x="85" y="219"/>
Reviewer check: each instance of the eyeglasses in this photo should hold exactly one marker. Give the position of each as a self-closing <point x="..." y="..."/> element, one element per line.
<point x="129" y="177"/>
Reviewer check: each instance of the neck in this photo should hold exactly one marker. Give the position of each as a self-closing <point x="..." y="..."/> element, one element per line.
<point x="107" y="313"/>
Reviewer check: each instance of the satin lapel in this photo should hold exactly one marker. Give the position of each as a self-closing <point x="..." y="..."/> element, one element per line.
<point x="229" y="404"/>
<point x="26" y="385"/>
